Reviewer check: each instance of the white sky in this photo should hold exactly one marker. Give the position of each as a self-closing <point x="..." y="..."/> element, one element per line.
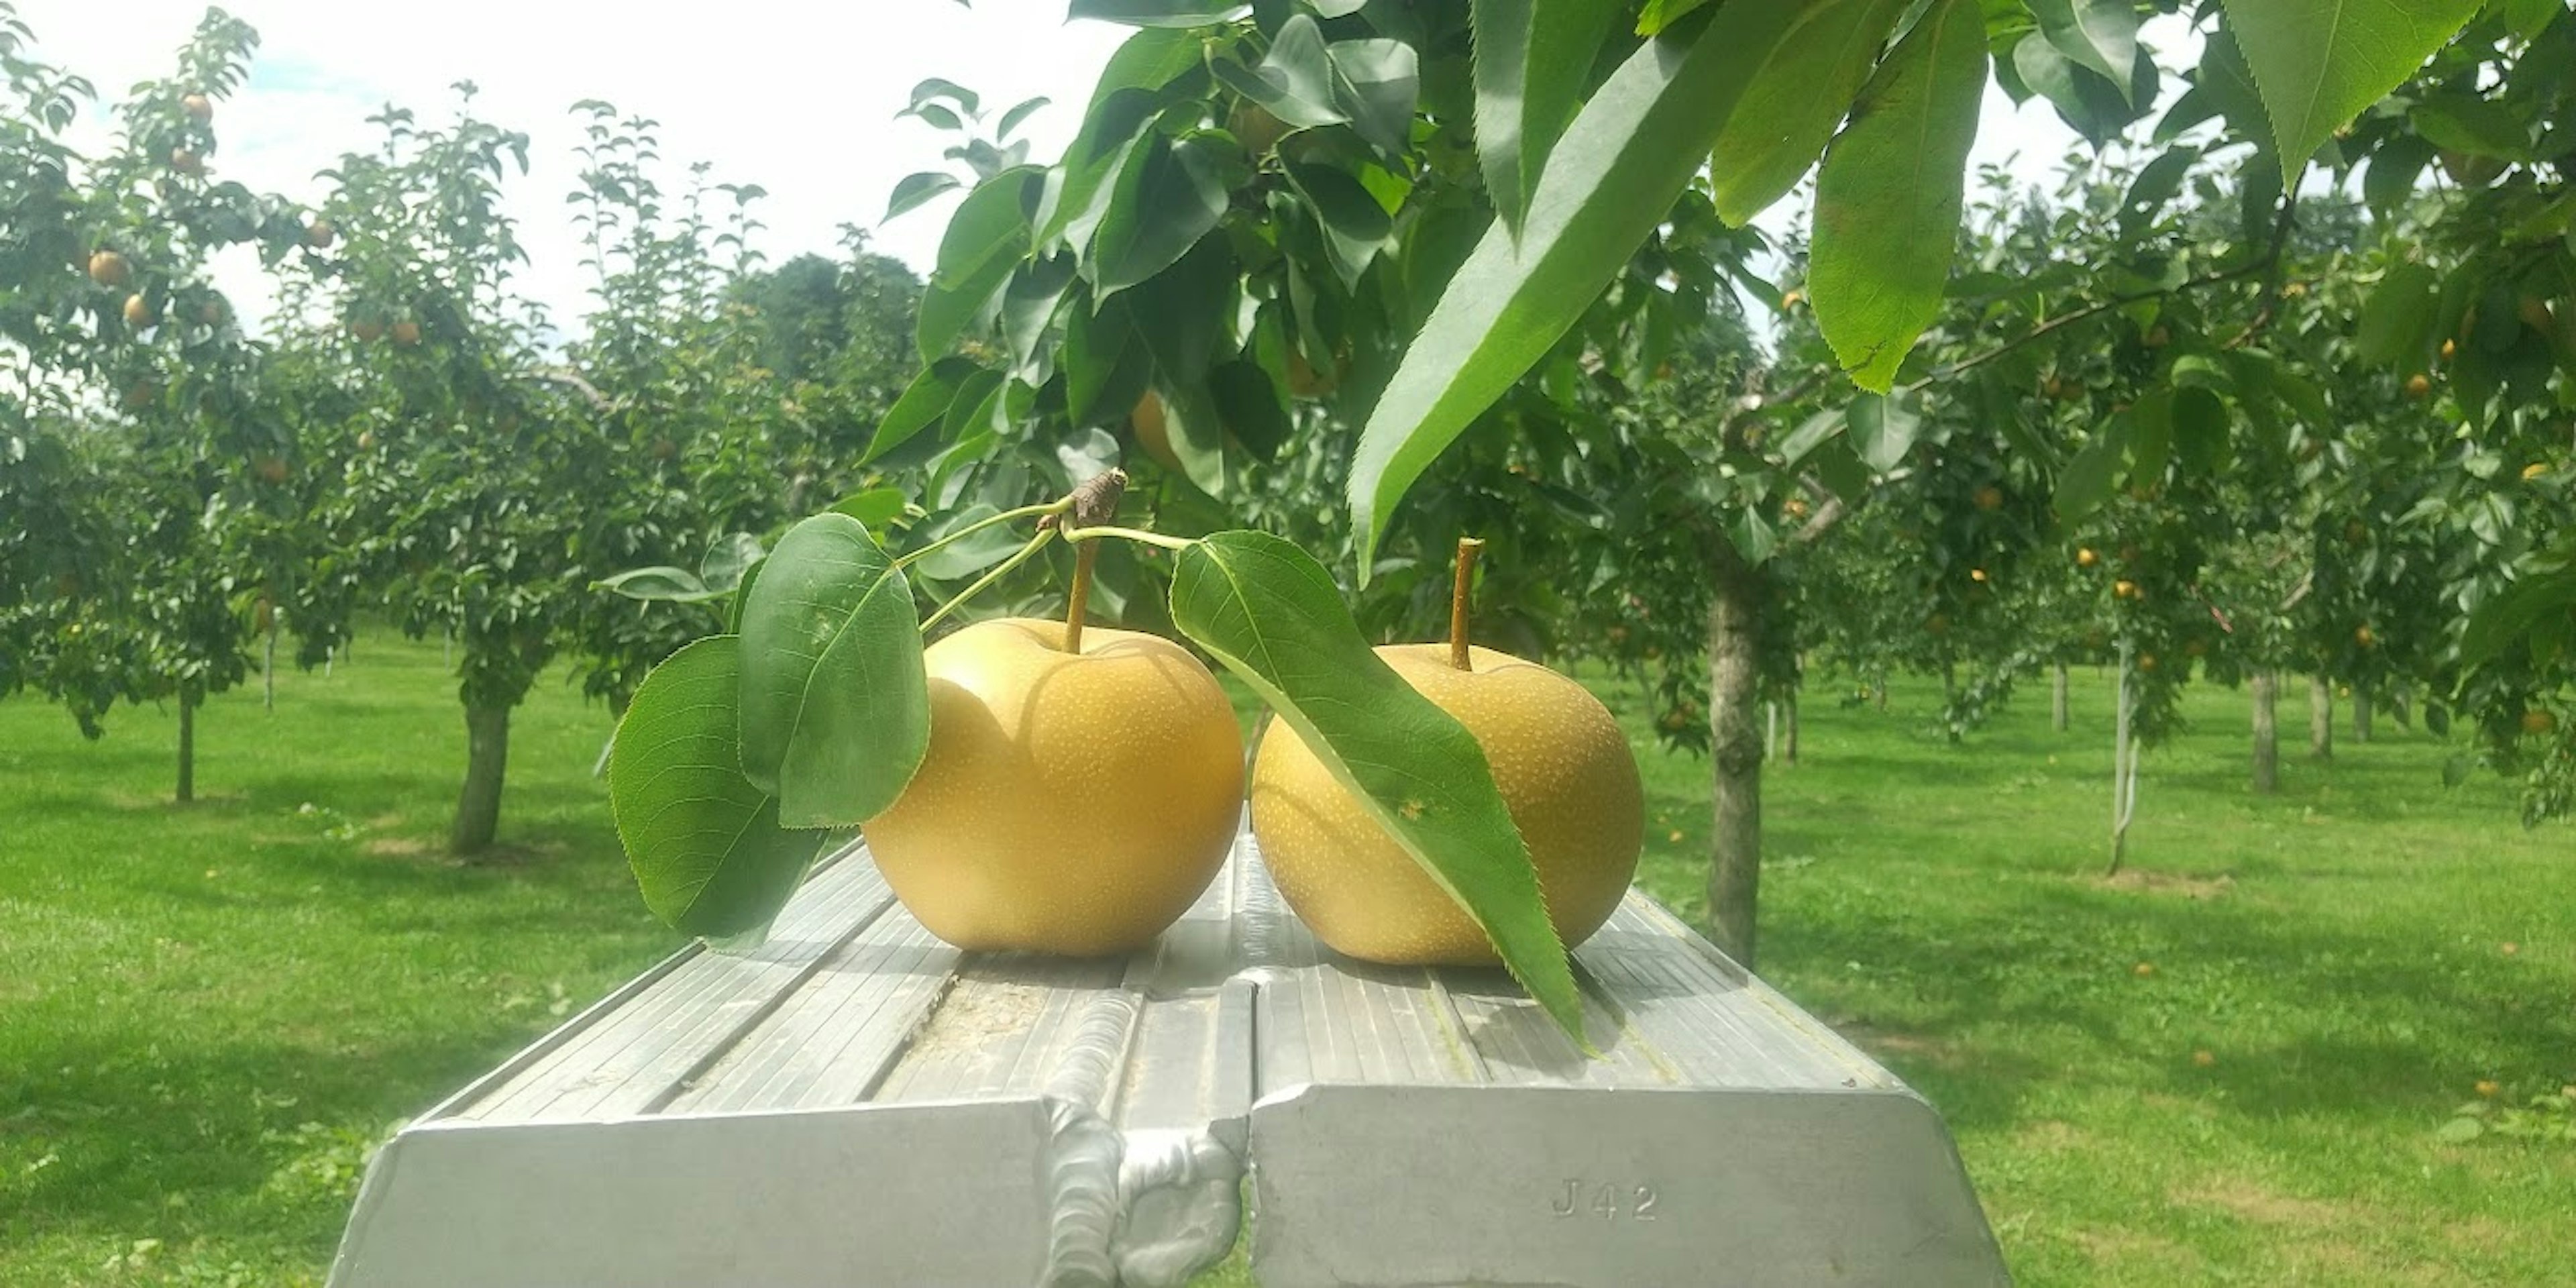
<point x="798" y="98"/>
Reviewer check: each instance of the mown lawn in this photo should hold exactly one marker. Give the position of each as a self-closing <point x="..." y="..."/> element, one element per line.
<point x="207" y="1013"/>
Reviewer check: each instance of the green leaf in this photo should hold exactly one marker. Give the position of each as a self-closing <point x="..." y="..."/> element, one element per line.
<point x="706" y="846"/>
<point x="923" y="402"/>
<point x="2394" y="170"/>
<point x="2099" y="34"/>
<point x="1018" y="115"/>
<point x="1272" y="615"/>
<point x="2199" y="430"/>
<point x="2477" y="126"/>
<point x="875" y="507"/>
<point x="727" y="558"/>
<point x="2319" y="62"/>
<point x="917" y="189"/>
<point x="1250" y="406"/>
<point x="1376" y="84"/>
<point x="1794" y="102"/>
<point x="660" y="584"/>
<point x="1614" y="177"/>
<point x="1165" y="201"/>
<point x="2397" y="320"/>
<point x="1532" y="58"/>
<point x="2157" y="184"/>
<point x="1157" y="13"/>
<point x="1887" y="203"/>
<point x="985" y="240"/>
<point x="1195" y="428"/>
<point x="2509" y="616"/>
<point x="1356" y="228"/>
<point x="2151" y="436"/>
<point x="2089" y="104"/>
<point x="835" y="705"/>
<point x="1659" y="14"/>
<point x="1883" y="429"/>
<point x="1810" y="434"/>
<point x="1105" y="367"/>
<point x="1295" y="79"/>
<point x="2087" y="480"/>
<point x="937" y="89"/>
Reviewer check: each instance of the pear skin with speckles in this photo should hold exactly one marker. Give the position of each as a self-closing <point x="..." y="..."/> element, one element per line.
<point x="1566" y="773"/>
<point x="1070" y="805"/>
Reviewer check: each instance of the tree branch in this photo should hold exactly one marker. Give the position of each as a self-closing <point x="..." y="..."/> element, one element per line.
<point x="2264" y="264"/>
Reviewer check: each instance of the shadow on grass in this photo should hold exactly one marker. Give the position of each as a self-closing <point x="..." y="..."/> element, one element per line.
<point x="2365" y="1027"/>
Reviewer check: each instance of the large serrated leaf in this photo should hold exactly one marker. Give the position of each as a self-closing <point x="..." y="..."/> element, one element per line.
<point x="1531" y="62"/>
<point x="1790" y="110"/>
<point x="1888" y="200"/>
<point x="835" y="705"/>
<point x="706" y="846"/>
<point x="1613" y="178"/>
<point x="2319" y="62"/>
<point x="1273" y="616"/>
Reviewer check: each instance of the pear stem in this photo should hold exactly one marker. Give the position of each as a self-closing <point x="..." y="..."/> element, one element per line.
<point x="1080" y="535"/>
<point x="1461" y="589"/>
<point x="1075" y="602"/>
<point x="1094" y="502"/>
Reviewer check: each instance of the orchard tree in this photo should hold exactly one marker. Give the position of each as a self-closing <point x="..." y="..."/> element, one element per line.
<point x="466" y="450"/>
<point x="162" y="576"/>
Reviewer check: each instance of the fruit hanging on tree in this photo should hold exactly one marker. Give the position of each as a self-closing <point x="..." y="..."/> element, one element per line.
<point x="107" y="268"/>
<point x="1566" y="775"/>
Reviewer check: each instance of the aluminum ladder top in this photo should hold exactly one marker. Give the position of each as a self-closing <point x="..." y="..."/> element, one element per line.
<point x="857" y="1103"/>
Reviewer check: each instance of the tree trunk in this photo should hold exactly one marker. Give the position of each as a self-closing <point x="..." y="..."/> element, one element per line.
<point x="487" y="758"/>
<point x="188" y="701"/>
<point x="1789" y="736"/>
<point x="2124" y="764"/>
<point x="2360" y="714"/>
<point x="2057" y="697"/>
<point x="1771" y="729"/>
<point x="1734" y="676"/>
<point x="2320" y="717"/>
<point x="2267" y="737"/>
<point x="268" y="669"/>
<point x="1949" y="681"/>
<point x="1878" y="692"/>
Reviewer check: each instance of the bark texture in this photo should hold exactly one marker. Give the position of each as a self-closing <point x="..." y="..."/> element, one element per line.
<point x="188" y="701"/>
<point x="487" y="760"/>
<point x="2267" y="733"/>
<point x="2360" y="714"/>
<point x="1734" y="676"/>
<point x="2320" y="717"/>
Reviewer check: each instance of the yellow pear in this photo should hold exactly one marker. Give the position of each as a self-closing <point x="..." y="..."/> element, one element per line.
<point x="1566" y="774"/>
<point x="1073" y="804"/>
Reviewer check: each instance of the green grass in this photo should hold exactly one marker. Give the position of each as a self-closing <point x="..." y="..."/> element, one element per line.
<point x="2339" y="951"/>
<point x="206" y="1014"/>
